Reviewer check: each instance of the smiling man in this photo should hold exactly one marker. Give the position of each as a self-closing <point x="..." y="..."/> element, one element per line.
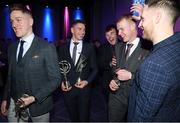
<point x="80" y="57"/>
<point x="128" y="60"/>
<point x="155" y="95"/>
<point x="33" y="72"/>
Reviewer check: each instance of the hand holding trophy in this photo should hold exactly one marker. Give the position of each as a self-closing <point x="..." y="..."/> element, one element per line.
<point x="65" y="68"/>
<point x="21" y="109"/>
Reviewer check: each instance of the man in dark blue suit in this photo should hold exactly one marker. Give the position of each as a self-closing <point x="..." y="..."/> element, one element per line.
<point x="33" y="72"/>
<point x="77" y="60"/>
<point x="155" y="95"/>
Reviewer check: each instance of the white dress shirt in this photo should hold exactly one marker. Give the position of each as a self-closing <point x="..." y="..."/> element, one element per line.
<point x="79" y="49"/>
<point x="135" y="44"/>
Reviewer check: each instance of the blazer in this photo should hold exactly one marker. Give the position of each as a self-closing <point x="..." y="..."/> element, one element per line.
<point x="155" y="95"/>
<point x="134" y="60"/>
<point x="37" y="74"/>
<point x="105" y="54"/>
<point x="89" y="71"/>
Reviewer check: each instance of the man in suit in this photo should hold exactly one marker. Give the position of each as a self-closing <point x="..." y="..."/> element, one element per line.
<point x="127" y="62"/>
<point x="33" y="71"/>
<point x="155" y="95"/>
<point x="82" y="71"/>
<point x="105" y="54"/>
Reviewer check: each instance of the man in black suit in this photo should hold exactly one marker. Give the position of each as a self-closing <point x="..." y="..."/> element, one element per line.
<point x="105" y="54"/>
<point x="129" y="55"/>
<point x="33" y="71"/>
<point x="82" y="71"/>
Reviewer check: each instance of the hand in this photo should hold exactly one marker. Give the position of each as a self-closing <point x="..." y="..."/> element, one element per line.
<point x="64" y="88"/>
<point x="138" y="8"/>
<point x="113" y="85"/>
<point x="4" y="107"/>
<point x="123" y="75"/>
<point x="81" y="84"/>
<point x="113" y="62"/>
<point x="27" y="100"/>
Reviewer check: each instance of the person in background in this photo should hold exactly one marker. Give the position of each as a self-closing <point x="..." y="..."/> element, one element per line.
<point x="129" y="55"/>
<point x="80" y="60"/>
<point x="33" y="72"/>
<point x="155" y="94"/>
<point x="105" y="54"/>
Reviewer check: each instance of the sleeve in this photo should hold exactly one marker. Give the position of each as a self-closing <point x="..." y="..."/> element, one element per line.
<point x="54" y="76"/>
<point x="153" y="87"/>
<point x="93" y="65"/>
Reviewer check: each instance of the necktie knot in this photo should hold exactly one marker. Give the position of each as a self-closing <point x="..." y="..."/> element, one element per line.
<point x="76" y="43"/>
<point x="129" y="45"/>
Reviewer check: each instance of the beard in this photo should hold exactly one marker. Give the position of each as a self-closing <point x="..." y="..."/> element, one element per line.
<point x="147" y="35"/>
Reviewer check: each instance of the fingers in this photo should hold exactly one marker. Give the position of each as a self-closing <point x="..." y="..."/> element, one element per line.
<point x="65" y="88"/>
<point x="113" y="85"/>
<point x="113" y="61"/>
<point x="138" y="9"/>
<point x="81" y="84"/>
<point x="3" y="108"/>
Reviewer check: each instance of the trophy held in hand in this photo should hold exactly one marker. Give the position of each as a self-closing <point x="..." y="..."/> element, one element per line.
<point x="65" y="68"/>
<point x="21" y="109"/>
<point x="115" y="68"/>
<point x="81" y="64"/>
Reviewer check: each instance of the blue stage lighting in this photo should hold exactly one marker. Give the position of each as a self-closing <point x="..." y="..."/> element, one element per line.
<point x="78" y="14"/>
<point x="48" y="25"/>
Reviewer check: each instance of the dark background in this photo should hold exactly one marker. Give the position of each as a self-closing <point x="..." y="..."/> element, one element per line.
<point x="97" y="13"/>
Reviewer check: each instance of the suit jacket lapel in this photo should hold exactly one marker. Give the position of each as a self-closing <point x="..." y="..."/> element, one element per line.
<point x="31" y="51"/>
<point x="82" y="52"/>
<point x="14" y="52"/>
<point x="120" y="54"/>
<point x="68" y="53"/>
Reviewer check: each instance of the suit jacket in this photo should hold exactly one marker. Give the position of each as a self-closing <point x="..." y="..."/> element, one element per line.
<point x="89" y="71"/>
<point x="37" y="74"/>
<point x="134" y="60"/>
<point x="155" y="94"/>
<point x="105" y="54"/>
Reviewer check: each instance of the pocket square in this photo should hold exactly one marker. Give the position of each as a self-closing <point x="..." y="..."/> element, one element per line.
<point x="141" y="57"/>
<point x="35" y="57"/>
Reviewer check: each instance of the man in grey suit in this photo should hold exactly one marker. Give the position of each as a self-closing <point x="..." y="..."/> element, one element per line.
<point x="129" y="55"/>
<point x="33" y="72"/>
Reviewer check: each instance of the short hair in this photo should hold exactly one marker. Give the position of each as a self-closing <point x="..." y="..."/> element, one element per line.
<point x="20" y="7"/>
<point x="172" y="7"/>
<point x="126" y="17"/>
<point x="110" y="27"/>
<point x="77" y="21"/>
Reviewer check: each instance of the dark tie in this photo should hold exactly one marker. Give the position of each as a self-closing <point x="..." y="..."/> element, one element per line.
<point x="74" y="52"/>
<point x="20" y="50"/>
<point x="128" y="51"/>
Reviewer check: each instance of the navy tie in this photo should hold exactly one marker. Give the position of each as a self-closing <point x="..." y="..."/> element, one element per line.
<point x="20" y="50"/>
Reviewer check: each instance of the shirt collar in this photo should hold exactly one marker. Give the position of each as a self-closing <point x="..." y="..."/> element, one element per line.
<point x="134" y="42"/>
<point x="29" y="38"/>
<point x="79" y="42"/>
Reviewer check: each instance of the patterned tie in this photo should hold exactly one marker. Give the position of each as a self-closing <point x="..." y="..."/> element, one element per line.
<point x="74" y="52"/>
<point x="128" y="51"/>
<point x="20" y="50"/>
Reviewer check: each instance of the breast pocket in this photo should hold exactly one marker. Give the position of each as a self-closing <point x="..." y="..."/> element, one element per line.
<point x="36" y="63"/>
